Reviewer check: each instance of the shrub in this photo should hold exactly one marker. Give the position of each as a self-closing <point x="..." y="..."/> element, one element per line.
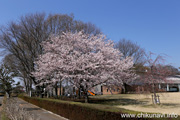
<point x="76" y="110"/>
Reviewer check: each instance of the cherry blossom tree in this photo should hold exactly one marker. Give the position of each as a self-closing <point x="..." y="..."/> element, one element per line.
<point x="84" y="60"/>
<point x="155" y="74"/>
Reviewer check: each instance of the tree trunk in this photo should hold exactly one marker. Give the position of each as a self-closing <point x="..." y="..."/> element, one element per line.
<point x="41" y="92"/>
<point x="47" y="94"/>
<point x="154" y="92"/>
<point x="56" y="91"/>
<point x="124" y="88"/>
<point x="111" y="91"/>
<point x="52" y="93"/>
<point x="30" y="89"/>
<point x="86" y="97"/>
<point x="60" y="88"/>
<point x="26" y="86"/>
<point x="38" y="91"/>
<point x="79" y="93"/>
<point x="7" y="95"/>
<point x="30" y="93"/>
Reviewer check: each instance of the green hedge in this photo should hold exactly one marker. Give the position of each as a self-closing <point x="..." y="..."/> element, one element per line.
<point x="76" y="110"/>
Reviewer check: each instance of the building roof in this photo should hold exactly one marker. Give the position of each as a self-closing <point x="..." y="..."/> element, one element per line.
<point x="170" y="80"/>
<point x="173" y="79"/>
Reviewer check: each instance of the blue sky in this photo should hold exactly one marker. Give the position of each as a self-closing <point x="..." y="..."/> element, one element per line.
<point x="153" y="24"/>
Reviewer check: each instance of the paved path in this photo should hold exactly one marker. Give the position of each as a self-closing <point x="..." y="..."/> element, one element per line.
<point x="40" y="113"/>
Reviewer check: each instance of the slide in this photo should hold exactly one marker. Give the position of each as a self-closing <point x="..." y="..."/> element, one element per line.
<point x="91" y="93"/>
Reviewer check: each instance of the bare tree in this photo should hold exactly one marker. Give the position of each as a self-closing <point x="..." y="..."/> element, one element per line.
<point x="131" y="49"/>
<point x="15" y="66"/>
<point x="6" y="79"/>
<point x="173" y="70"/>
<point x="22" y="40"/>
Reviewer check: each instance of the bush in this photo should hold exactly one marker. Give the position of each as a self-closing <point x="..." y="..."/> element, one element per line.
<point x="76" y="110"/>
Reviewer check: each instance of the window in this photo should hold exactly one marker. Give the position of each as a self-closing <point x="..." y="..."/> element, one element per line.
<point x="117" y="89"/>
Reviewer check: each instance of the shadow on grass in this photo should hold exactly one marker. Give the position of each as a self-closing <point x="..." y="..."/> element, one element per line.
<point x="122" y="101"/>
<point x="162" y="105"/>
<point x="110" y="101"/>
<point x="170" y="105"/>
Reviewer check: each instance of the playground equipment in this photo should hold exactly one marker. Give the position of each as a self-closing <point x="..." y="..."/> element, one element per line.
<point x="91" y="93"/>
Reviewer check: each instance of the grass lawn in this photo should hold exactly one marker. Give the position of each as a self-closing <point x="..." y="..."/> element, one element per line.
<point x="122" y="103"/>
<point x="170" y="102"/>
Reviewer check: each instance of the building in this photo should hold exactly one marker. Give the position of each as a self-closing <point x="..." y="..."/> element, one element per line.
<point x="104" y="90"/>
<point x="172" y="84"/>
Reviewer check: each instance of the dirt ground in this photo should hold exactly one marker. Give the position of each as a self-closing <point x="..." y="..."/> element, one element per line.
<point x="170" y="103"/>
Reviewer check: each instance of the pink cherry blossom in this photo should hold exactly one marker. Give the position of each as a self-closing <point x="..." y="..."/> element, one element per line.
<point x="84" y="60"/>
